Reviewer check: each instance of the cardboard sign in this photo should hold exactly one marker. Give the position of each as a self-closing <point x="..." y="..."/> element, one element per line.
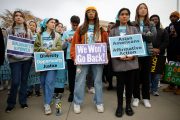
<point x="91" y="53"/>
<point x="126" y="45"/>
<point x="20" y="46"/>
<point x="43" y="62"/>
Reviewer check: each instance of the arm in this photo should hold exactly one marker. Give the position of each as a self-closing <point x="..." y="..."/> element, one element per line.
<point x="75" y="40"/>
<point x="165" y="42"/>
<point x="38" y="45"/>
<point x="58" y="45"/>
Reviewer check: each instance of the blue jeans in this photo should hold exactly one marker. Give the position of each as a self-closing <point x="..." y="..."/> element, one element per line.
<point x="154" y="82"/>
<point x="47" y="81"/>
<point x="19" y="73"/>
<point x="81" y="72"/>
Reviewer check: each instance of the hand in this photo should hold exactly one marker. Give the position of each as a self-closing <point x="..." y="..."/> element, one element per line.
<point x="69" y="39"/>
<point x="127" y="58"/>
<point x="156" y="51"/>
<point x="48" y="52"/>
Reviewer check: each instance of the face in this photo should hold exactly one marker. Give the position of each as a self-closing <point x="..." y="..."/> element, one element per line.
<point x="18" y="18"/>
<point x="59" y="28"/>
<point x="91" y="14"/>
<point x="74" y="26"/>
<point x="32" y="26"/>
<point x="155" y="20"/>
<point x="173" y="18"/>
<point x="51" y="24"/>
<point x="142" y="10"/>
<point x="124" y="17"/>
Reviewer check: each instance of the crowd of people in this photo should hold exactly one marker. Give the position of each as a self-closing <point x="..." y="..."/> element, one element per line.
<point x="132" y="73"/>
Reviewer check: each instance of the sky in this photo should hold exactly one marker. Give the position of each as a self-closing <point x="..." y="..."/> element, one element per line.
<point x="107" y="9"/>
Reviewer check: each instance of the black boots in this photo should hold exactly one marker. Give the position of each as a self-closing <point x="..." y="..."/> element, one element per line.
<point x="119" y="112"/>
<point x="129" y="110"/>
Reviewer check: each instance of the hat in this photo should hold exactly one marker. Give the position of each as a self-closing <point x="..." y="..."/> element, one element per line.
<point x="91" y="8"/>
<point x="44" y="22"/>
<point x="175" y="13"/>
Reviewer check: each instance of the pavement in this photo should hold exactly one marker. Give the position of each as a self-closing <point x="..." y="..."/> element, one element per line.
<point x="164" y="107"/>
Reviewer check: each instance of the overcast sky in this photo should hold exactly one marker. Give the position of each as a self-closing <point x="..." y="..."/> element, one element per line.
<point x="107" y="9"/>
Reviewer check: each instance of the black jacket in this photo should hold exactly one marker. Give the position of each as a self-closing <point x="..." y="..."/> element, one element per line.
<point x="162" y="40"/>
<point x="173" y="49"/>
<point x="2" y="48"/>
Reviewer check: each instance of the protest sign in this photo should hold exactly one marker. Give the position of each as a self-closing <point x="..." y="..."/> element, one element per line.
<point x="126" y="45"/>
<point x="91" y="53"/>
<point x="44" y="62"/>
<point x="19" y="46"/>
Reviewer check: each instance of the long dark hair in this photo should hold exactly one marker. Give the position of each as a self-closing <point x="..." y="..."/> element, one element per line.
<point x="44" y="29"/>
<point x="84" y="27"/>
<point x="146" y="19"/>
<point x="24" y="23"/>
<point x="118" y="22"/>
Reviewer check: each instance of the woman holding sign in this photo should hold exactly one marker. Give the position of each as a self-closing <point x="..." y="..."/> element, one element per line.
<point x="126" y="66"/>
<point x="47" y="41"/>
<point x="20" y="64"/>
<point x="88" y="33"/>
<point x="148" y="31"/>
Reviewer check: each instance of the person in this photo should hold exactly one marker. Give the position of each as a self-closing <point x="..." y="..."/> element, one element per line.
<point x="33" y="27"/>
<point x="2" y="55"/>
<point x="2" y="48"/>
<point x="124" y="67"/>
<point x="67" y="38"/>
<point x="159" y="46"/>
<point x="89" y="32"/>
<point x="47" y="41"/>
<point x="148" y="31"/>
<point x="20" y="65"/>
<point x="107" y="71"/>
<point x="173" y="49"/>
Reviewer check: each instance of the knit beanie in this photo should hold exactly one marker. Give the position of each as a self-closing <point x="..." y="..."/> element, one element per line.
<point x="175" y="13"/>
<point x="91" y="8"/>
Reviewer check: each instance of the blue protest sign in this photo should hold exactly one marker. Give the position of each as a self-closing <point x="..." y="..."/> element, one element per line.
<point x="44" y="62"/>
<point x="19" y="46"/>
<point x="91" y="53"/>
<point x="126" y="45"/>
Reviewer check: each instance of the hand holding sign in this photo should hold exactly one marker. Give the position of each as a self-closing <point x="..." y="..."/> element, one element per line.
<point x="48" y="52"/>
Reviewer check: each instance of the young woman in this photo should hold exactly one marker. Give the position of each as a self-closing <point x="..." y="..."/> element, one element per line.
<point x="124" y="67"/>
<point x="47" y="41"/>
<point x="148" y="31"/>
<point x="20" y="65"/>
<point x="88" y="33"/>
<point x="33" y="27"/>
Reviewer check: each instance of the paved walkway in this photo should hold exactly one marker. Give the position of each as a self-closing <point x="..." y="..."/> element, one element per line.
<point x="164" y="107"/>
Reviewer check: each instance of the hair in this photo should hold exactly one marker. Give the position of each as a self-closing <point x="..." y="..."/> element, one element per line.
<point x="24" y="23"/>
<point x="146" y="19"/>
<point x="56" y="21"/>
<point x="34" y="23"/>
<point x="44" y="29"/>
<point x="118" y="21"/>
<point x="59" y="24"/>
<point x="75" y="19"/>
<point x="84" y="27"/>
<point x="158" y="24"/>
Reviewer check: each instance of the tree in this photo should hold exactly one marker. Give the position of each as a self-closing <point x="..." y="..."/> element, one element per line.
<point x="7" y="17"/>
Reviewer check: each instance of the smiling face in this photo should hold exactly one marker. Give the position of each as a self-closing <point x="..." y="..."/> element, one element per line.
<point x="124" y="17"/>
<point x="18" y="18"/>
